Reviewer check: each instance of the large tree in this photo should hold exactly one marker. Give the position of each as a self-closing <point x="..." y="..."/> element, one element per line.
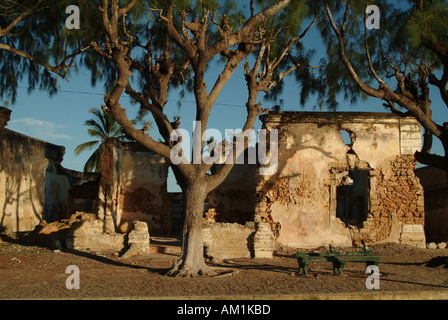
<point x="157" y="45"/>
<point x="400" y="63"/>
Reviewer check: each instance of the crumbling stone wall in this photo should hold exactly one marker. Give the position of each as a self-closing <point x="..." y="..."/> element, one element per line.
<point x="269" y="193"/>
<point x="133" y="186"/>
<point x="399" y="191"/>
<point x="398" y="201"/>
<point x="302" y="201"/>
<point x="86" y="233"/>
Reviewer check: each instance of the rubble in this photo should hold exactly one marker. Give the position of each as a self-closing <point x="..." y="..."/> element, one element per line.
<point x="431" y="245"/>
<point x="137" y="240"/>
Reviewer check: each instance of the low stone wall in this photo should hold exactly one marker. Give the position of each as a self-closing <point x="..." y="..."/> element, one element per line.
<point x="89" y="235"/>
<point x="137" y="240"/>
<point x="227" y="240"/>
<point x="233" y="240"/>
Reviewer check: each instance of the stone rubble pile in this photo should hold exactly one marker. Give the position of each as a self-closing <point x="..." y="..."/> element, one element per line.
<point x="138" y="240"/>
<point x="433" y="245"/>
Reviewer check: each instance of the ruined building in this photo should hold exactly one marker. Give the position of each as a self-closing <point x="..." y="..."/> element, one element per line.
<point x="133" y="187"/>
<point x="328" y="190"/>
<point x="342" y="178"/>
<point x="33" y="184"/>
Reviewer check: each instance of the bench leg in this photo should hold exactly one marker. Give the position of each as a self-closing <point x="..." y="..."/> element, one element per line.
<point x="303" y="267"/>
<point x="338" y="266"/>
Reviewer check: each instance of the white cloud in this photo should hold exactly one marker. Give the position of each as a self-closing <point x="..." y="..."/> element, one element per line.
<point x="39" y="129"/>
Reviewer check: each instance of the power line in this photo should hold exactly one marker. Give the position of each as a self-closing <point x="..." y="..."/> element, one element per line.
<point x="102" y="94"/>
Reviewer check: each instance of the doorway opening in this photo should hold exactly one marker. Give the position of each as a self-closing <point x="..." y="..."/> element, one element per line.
<point x="352" y="197"/>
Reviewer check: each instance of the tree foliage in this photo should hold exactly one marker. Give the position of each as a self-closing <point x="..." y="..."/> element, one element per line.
<point x="399" y="63"/>
<point x="32" y="47"/>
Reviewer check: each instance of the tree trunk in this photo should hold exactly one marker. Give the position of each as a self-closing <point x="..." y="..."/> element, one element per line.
<point x="191" y="261"/>
<point x="435" y="160"/>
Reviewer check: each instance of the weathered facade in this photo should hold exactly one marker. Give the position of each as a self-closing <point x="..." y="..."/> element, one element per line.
<point x="331" y="191"/>
<point x="132" y="201"/>
<point x="133" y="187"/>
<point x="33" y="184"/>
<point x="34" y="188"/>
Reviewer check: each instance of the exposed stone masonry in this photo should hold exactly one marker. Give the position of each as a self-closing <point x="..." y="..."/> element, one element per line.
<point x="397" y="204"/>
<point x="263" y="241"/>
<point x="399" y="190"/>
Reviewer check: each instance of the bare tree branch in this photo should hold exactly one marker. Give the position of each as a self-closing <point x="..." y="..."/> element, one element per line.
<point x="384" y="92"/>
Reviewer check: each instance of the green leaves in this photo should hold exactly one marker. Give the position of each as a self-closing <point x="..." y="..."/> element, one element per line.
<point x="28" y="28"/>
<point x="429" y="22"/>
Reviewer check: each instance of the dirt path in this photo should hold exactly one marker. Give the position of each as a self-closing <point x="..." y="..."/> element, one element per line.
<point x="36" y="272"/>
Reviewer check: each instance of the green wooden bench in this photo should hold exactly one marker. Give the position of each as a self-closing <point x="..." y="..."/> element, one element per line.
<point x="338" y="259"/>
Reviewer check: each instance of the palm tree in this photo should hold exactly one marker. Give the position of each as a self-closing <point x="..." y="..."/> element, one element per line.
<point x="101" y="127"/>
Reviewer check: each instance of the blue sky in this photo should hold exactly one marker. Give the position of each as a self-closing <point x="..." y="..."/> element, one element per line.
<point x="60" y="119"/>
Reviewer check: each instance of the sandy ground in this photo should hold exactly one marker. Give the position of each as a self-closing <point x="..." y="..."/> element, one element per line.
<point x="33" y="272"/>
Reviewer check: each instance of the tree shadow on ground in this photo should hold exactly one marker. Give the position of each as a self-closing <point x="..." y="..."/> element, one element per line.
<point x="105" y="260"/>
<point x="382" y="279"/>
<point x="238" y="265"/>
<point x="437" y="262"/>
<point x="45" y="245"/>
